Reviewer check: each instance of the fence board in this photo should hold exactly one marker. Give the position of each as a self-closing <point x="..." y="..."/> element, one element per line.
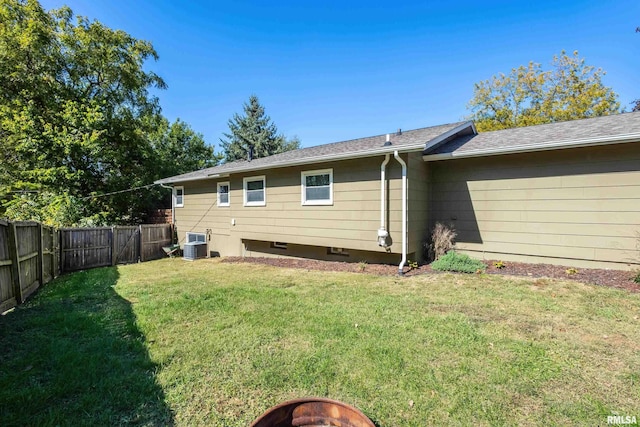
<point x="15" y="264"/>
<point x="28" y="243"/>
<point x="153" y="238"/>
<point x="7" y="294"/>
<point x="57" y="253"/>
<point x="32" y="255"/>
<point x="84" y="248"/>
<point x="49" y="269"/>
<point x="126" y="244"/>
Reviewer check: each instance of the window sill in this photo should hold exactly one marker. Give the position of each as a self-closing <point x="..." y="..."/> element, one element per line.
<point x="318" y="203"/>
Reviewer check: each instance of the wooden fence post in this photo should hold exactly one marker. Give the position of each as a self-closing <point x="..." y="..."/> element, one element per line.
<point x="15" y="263"/>
<point x="57" y="253"/>
<point x="40" y="258"/>
<point x="53" y="252"/>
<point x="141" y="244"/>
<point x="61" y="251"/>
<point x="114" y="249"/>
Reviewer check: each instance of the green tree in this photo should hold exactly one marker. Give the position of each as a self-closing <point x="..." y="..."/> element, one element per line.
<point x="254" y="131"/>
<point x="77" y="120"/>
<point x="179" y="149"/>
<point x="528" y="95"/>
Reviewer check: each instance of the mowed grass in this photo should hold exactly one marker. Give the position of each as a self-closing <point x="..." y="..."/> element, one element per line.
<point x="209" y="343"/>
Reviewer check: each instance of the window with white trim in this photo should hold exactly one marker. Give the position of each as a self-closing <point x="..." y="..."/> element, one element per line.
<point x="178" y="197"/>
<point x="255" y="191"/>
<point x="317" y="187"/>
<point x="223" y="194"/>
<point x="196" y="237"/>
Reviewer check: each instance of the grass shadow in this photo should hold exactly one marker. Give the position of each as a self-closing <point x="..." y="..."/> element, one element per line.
<point x="73" y="355"/>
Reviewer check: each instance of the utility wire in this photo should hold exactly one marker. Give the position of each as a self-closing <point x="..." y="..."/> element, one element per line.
<point x="118" y="192"/>
<point x="95" y="196"/>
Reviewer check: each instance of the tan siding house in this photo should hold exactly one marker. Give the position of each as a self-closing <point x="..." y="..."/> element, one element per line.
<point x="565" y="193"/>
<point x="581" y="205"/>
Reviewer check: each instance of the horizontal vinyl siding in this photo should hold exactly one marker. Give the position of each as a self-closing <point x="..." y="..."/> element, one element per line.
<point x="200" y="211"/>
<point x="418" y="197"/>
<point x="577" y="204"/>
<point x="351" y="222"/>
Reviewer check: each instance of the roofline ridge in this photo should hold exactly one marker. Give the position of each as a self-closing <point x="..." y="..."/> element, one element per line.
<point x="583" y="119"/>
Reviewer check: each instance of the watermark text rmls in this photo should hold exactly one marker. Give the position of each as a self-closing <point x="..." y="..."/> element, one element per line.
<point x="622" y="420"/>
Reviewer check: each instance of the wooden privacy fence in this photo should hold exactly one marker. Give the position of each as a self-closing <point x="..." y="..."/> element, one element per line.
<point x="32" y="254"/>
<point x="28" y="259"/>
<point x="84" y="248"/>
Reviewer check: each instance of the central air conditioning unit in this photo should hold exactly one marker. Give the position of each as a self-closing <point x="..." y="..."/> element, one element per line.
<point x="194" y="250"/>
<point x="195" y="247"/>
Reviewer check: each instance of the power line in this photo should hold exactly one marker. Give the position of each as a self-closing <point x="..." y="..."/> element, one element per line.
<point x="95" y="196"/>
<point x="118" y="192"/>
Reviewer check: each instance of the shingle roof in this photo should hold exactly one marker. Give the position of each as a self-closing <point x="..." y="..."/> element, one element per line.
<point x="548" y="136"/>
<point x="362" y="147"/>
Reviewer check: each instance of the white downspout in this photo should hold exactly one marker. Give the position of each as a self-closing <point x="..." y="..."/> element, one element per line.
<point x="382" y="231"/>
<point x="404" y="211"/>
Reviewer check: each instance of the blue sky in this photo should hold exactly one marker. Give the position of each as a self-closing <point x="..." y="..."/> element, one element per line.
<point x="330" y="70"/>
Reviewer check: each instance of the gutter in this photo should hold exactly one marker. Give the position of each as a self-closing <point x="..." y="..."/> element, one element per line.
<point x="552" y="145"/>
<point x="331" y="157"/>
<point x="305" y="161"/>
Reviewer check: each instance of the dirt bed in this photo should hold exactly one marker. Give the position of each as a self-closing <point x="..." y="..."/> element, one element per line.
<point x="612" y="278"/>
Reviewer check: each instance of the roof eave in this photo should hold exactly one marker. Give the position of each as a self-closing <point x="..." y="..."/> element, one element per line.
<point x="547" y="146"/>
<point x="440" y="139"/>
<point x="171" y="180"/>
<point x="332" y="157"/>
<point x="310" y="160"/>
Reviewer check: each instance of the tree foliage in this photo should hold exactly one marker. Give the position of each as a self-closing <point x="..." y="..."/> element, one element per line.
<point x="77" y="119"/>
<point x="254" y="131"/>
<point x="529" y="95"/>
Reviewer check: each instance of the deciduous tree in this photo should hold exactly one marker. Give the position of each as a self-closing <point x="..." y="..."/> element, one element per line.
<point x="529" y="95"/>
<point x="77" y="120"/>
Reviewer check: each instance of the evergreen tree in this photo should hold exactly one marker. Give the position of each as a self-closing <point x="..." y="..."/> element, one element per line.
<point x="254" y="131"/>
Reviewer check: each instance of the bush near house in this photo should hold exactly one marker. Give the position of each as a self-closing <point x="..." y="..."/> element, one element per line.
<point x="461" y="263"/>
<point x="441" y="241"/>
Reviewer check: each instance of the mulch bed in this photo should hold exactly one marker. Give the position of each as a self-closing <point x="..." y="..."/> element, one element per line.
<point x="612" y="278"/>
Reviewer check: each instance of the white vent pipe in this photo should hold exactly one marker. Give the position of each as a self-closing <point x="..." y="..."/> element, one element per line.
<point x="404" y="211"/>
<point x="383" y="234"/>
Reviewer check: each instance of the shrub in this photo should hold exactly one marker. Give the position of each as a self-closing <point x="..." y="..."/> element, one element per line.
<point x="462" y="263"/>
<point x="571" y="271"/>
<point x="441" y="241"/>
<point x="499" y="265"/>
<point x="636" y="277"/>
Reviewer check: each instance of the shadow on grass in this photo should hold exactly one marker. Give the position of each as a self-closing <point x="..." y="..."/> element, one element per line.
<point x="74" y="356"/>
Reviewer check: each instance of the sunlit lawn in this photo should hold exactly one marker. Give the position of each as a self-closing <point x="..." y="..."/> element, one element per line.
<point x="209" y="343"/>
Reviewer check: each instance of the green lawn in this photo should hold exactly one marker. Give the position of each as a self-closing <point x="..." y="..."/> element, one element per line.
<point x="209" y="343"/>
